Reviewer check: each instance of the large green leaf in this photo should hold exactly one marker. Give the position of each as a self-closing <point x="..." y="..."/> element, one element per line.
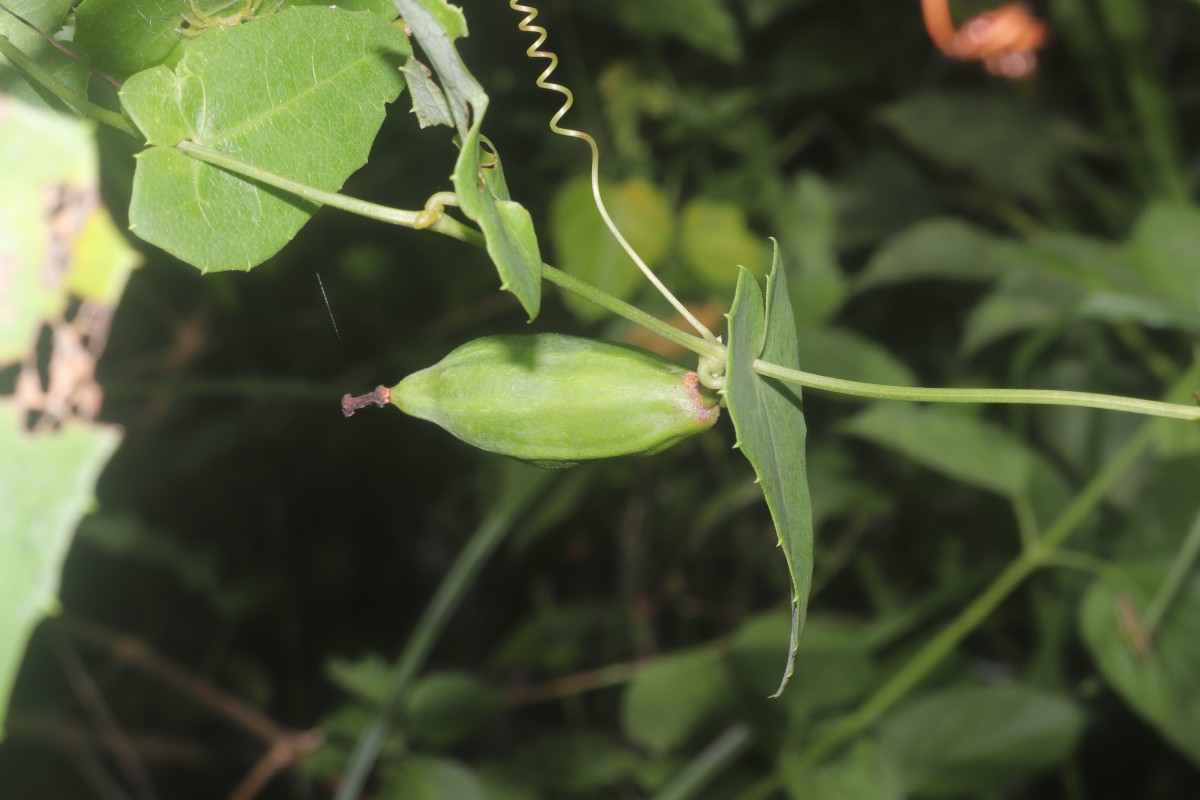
<point x="970" y="739"/>
<point x="478" y="182"/>
<point x="673" y="700"/>
<point x="46" y="15"/>
<point x="1161" y="683"/>
<point x="122" y="38"/>
<point x="300" y="93"/>
<point x="586" y="248"/>
<point x="768" y="417"/>
<point x="60" y="252"/>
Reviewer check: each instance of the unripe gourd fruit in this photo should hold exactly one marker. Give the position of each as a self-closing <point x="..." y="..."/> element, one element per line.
<point x="556" y="400"/>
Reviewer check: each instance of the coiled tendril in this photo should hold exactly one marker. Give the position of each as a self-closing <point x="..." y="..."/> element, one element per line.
<point x="526" y="25"/>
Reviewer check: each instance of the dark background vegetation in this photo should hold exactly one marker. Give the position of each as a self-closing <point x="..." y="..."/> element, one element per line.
<point x="248" y="533"/>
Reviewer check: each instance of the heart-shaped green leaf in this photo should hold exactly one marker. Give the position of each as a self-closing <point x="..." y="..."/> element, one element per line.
<point x="300" y="94"/>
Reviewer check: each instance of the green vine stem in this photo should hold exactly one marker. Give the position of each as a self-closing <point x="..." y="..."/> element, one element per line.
<point x="64" y="92"/>
<point x="1044" y="553"/>
<point x="1181" y="568"/>
<point x="448" y="226"/>
<point x="711" y="762"/>
<point x="1052" y="397"/>
<point x="457" y="582"/>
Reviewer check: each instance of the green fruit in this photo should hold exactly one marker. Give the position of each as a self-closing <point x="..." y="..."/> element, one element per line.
<point x="558" y="399"/>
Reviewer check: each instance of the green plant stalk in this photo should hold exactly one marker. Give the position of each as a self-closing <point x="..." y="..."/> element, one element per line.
<point x="712" y="761"/>
<point x="944" y="643"/>
<point x="1181" y="567"/>
<point x="1052" y="397"/>
<point x="457" y="581"/>
<point x="64" y="92"/>
<point x="448" y="226"/>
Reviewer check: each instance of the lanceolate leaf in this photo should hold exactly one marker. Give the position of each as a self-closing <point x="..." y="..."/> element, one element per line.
<point x="768" y="417"/>
<point x="482" y="195"/>
<point x="300" y="93"/>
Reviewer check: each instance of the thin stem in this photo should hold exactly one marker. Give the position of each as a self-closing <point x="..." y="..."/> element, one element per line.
<point x="1052" y="397"/>
<point x="447" y="226"/>
<point x="712" y="761"/>
<point x="445" y="600"/>
<point x="1181" y="567"/>
<point x="50" y="40"/>
<point x="632" y="313"/>
<point x="451" y="227"/>
<point x="64" y="92"/>
<point x="526" y="25"/>
<point x="1072" y="559"/>
<point x="136" y="652"/>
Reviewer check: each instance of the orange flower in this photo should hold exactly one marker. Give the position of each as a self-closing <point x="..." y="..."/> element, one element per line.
<point x="1005" y="39"/>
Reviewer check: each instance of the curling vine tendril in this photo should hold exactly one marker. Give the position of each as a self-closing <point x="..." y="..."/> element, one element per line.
<point x="526" y="25"/>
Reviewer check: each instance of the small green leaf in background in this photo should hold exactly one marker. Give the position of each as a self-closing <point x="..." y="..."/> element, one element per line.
<point x="49" y="16"/>
<point x="867" y="772"/>
<point x="835" y="666"/>
<point x="1158" y="522"/>
<point x="996" y="140"/>
<point x="429" y="104"/>
<point x="367" y="678"/>
<point x="676" y="699"/>
<point x="445" y="708"/>
<point x="1163" y="684"/>
<point x="768" y="417"/>
<point x="482" y="194"/>
<point x="59" y="249"/>
<point x="973" y="739"/>
<point x="842" y="353"/>
<point x="1165" y="251"/>
<point x="950" y="441"/>
<point x="576" y="762"/>
<point x="809" y="222"/>
<point x="715" y="240"/>
<point x="300" y="93"/>
<point x="943" y="248"/>
<point x="586" y="248"/>
<point x="1021" y="301"/>
<point x="425" y="778"/>
<point x="704" y="24"/>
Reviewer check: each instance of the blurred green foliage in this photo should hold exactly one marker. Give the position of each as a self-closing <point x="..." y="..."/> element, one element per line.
<point x="940" y="227"/>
